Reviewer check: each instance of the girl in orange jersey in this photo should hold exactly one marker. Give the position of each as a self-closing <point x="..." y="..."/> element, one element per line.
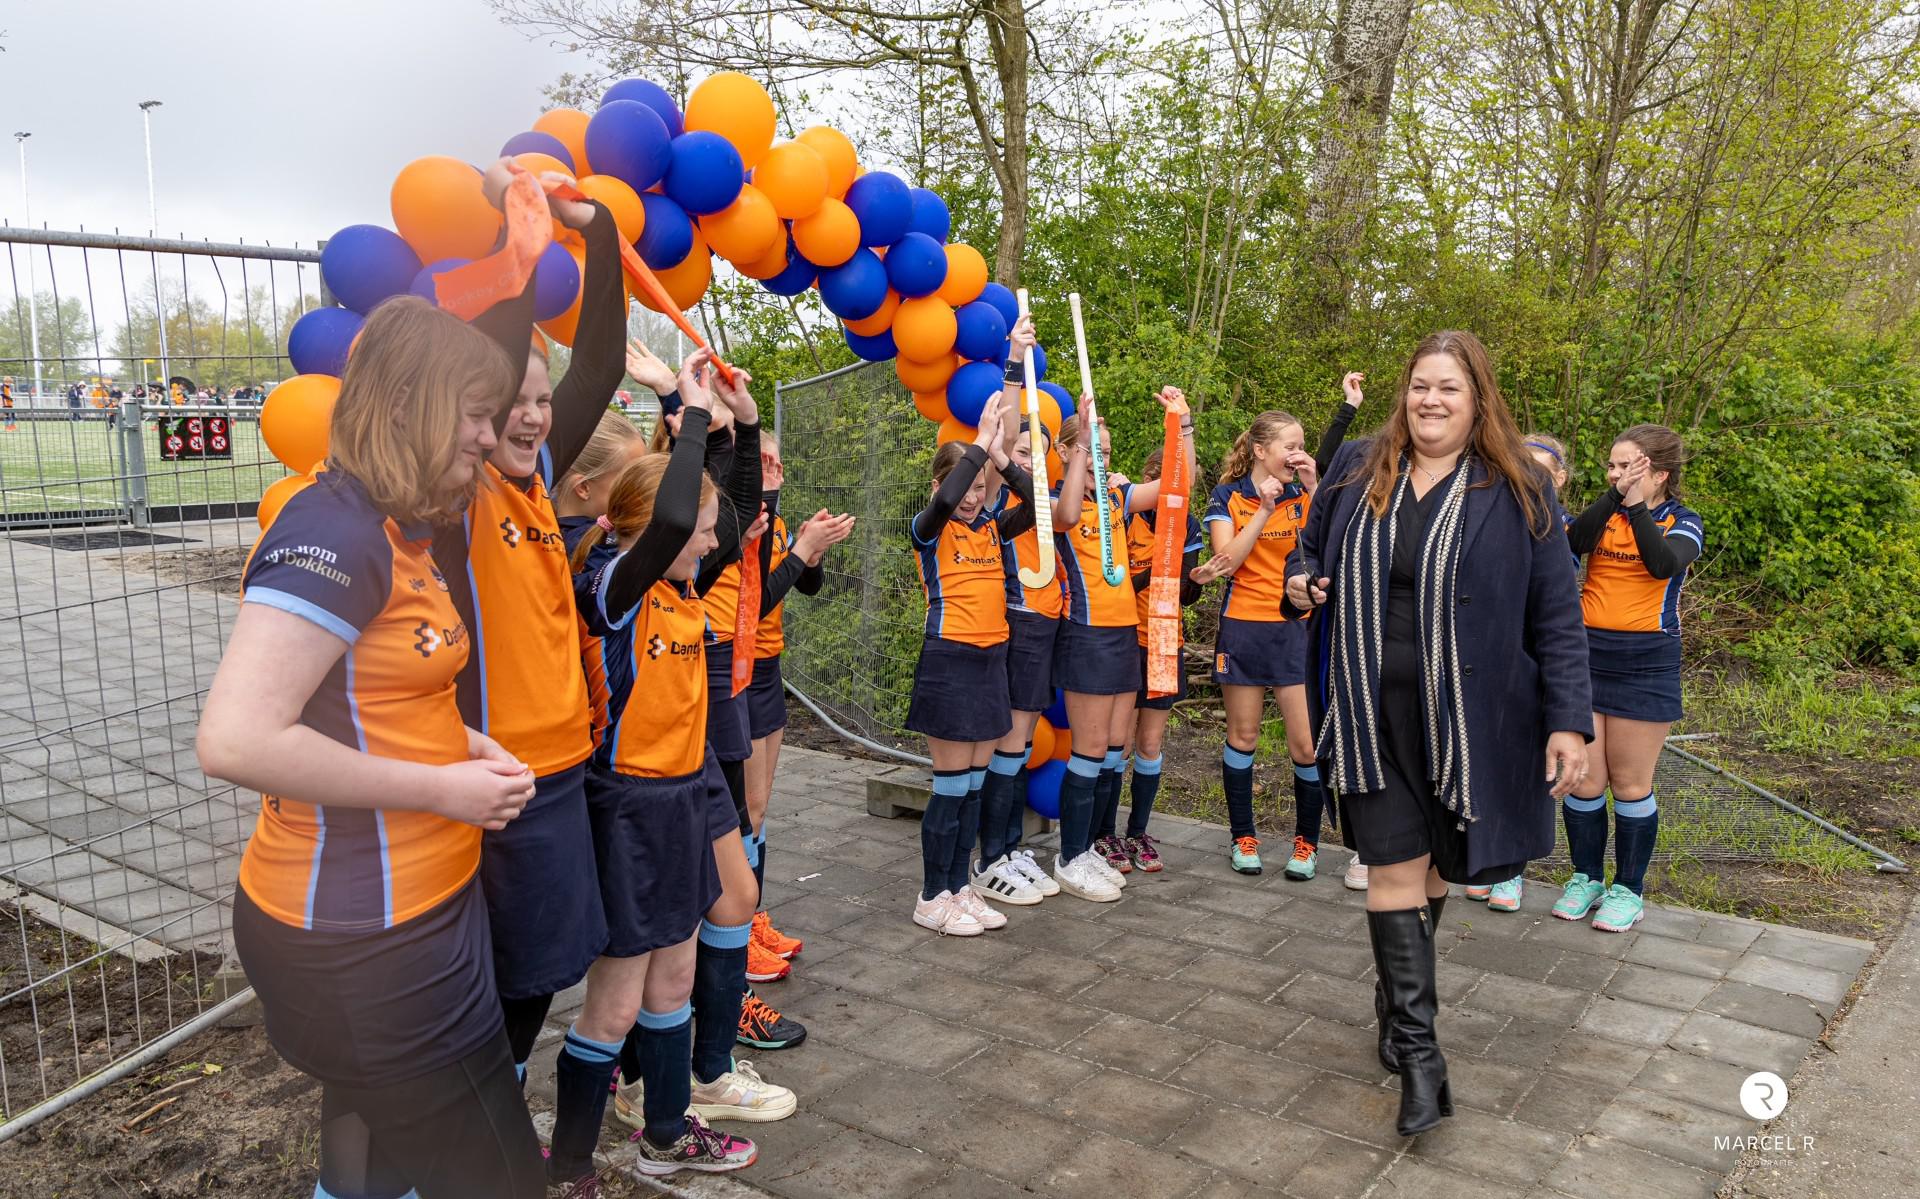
<point x="1639" y="540"/>
<point x="1096" y="658"/>
<point x="579" y="501"/>
<point x="664" y="855"/>
<point x="359" y="916"/>
<point x="960" y="684"/>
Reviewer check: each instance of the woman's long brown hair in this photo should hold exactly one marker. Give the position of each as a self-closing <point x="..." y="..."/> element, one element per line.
<point x="1495" y="439"/>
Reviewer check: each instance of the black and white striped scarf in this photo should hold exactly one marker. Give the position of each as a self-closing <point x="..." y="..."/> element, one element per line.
<point x="1350" y="732"/>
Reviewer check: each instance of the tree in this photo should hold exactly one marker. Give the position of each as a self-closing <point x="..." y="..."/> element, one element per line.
<point x="68" y="342"/>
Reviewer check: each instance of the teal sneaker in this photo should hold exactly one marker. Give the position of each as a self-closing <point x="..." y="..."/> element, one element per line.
<point x="1578" y="898"/>
<point x="1619" y="911"/>
<point x="1246" y="855"/>
<point x="1505" y="897"/>
<point x="1300" y="865"/>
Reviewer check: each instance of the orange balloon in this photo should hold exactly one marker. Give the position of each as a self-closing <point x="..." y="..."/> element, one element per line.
<point x="688" y="281"/>
<point x="794" y="176"/>
<point x="561" y="328"/>
<point x="737" y="108"/>
<point x="1050" y="415"/>
<point x="829" y="236"/>
<point x="296" y="419"/>
<point x="770" y="264"/>
<point x="537" y="162"/>
<point x="966" y="275"/>
<point x="1055" y="469"/>
<point x="925" y="376"/>
<point x="932" y="405"/>
<point x="924" y="329"/>
<point x="629" y="214"/>
<point x="570" y="126"/>
<point x="275" y="497"/>
<point x="440" y="211"/>
<point x="1043" y="736"/>
<point x="837" y="153"/>
<point x="744" y="230"/>
<point x="951" y="429"/>
<point x="1062" y="742"/>
<point x="881" y="321"/>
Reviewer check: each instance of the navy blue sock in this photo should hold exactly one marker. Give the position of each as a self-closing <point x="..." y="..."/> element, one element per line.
<point x="1017" y="807"/>
<point x="1107" y="791"/>
<point x="1309" y="800"/>
<point x="1636" y="826"/>
<point x="939" y="827"/>
<point x="996" y="798"/>
<point x="967" y="832"/>
<point x="719" y="983"/>
<point x="1146" y="788"/>
<point x="1076" y="806"/>
<point x="1586" y="820"/>
<point x="580" y="1079"/>
<point x="666" y="1053"/>
<point x="1236" y="776"/>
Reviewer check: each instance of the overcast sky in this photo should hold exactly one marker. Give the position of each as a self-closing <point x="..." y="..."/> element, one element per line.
<point x="282" y="120"/>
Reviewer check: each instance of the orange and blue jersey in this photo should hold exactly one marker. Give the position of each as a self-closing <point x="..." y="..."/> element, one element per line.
<point x="655" y="650"/>
<point x="722" y="602"/>
<point x="963" y="574"/>
<point x="593" y="657"/>
<point x="1091" y="600"/>
<point x="331" y="557"/>
<point x="1050" y="598"/>
<point x="531" y="698"/>
<point x="1140" y="537"/>
<point x="771" y="639"/>
<point x="1256" y="589"/>
<point x="1620" y="595"/>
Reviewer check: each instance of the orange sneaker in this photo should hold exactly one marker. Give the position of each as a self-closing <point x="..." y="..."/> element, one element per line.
<point x="763" y="965"/>
<point x="772" y="939"/>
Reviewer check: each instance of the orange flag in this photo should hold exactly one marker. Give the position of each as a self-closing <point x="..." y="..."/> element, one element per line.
<point x="470" y="290"/>
<point x="746" y="618"/>
<point x="1170" y="517"/>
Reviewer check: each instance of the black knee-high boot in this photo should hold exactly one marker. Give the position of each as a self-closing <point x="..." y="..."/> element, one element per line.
<point x="1388" y="1054"/>
<point x="1404" y="941"/>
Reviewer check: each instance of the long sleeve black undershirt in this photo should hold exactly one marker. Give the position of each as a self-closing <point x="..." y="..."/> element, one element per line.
<point x="599" y="359"/>
<point x="739" y="465"/>
<point x="1587" y="527"/>
<point x="793" y="573"/>
<point x="676" y="511"/>
<point x="1663" y="556"/>
<point x="946" y="497"/>
<point x="1331" y="439"/>
<point x="1016" y="519"/>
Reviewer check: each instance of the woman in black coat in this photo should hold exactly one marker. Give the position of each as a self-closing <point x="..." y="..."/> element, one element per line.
<point x="1449" y="660"/>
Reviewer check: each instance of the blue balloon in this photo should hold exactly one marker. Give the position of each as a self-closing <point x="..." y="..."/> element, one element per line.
<point x="878" y="348"/>
<point x="365" y="264"/>
<point x="629" y="141"/>
<point x="883" y="205"/>
<point x="982" y="330"/>
<point x="1039" y="361"/>
<point x="1001" y="299"/>
<point x="667" y="238"/>
<point x="651" y="94"/>
<point x="556" y="282"/>
<point x="1043" y="787"/>
<point x="423" y="282"/>
<point x="706" y="174"/>
<point x="797" y="276"/>
<point x="1064" y="398"/>
<point x="319" y="341"/>
<point x="969" y="390"/>
<point x="930" y="215"/>
<point x="1056" y="712"/>
<point x="535" y="142"/>
<point x="856" y="288"/>
<point x="916" y="266"/>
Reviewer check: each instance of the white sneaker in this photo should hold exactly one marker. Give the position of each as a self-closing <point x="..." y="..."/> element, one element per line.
<point x="741" y="1094"/>
<point x="1356" y="876"/>
<point x="1116" y="879"/>
<point x="943" y="916"/>
<point x="1003" y="882"/>
<point x="1084" y="878"/>
<point x="1022" y="860"/>
<point x="968" y="900"/>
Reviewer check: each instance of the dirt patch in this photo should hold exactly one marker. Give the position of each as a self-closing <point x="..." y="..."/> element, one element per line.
<point x="215" y="568"/>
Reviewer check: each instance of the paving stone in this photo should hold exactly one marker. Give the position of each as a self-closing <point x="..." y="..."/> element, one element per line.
<point x="1486" y="1085"/>
<point x="1356" y="1110"/>
<point x="1727" y="932"/>
<point x="824" y="913"/>
<point x="963" y="1183"/>
<point x="957" y="998"/>
<point x="1326" y="919"/>
<point x="1528" y="1043"/>
<point x="1256" y="1148"/>
<point x="990" y="1138"/>
<point x="1767" y="1008"/>
<point x="1336" y="1047"/>
<point x="1225" y="972"/>
<point x="1102" y="1167"/>
<point x="1340" y="999"/>
<point x="1504" y="1150"/>
<point x="1673" y="1128"/>
<point x="1325" y="955"/>
<point x="1140" y="914"/>
<point x="983" y="956"/>
<point x="901" y="1037"/>
<point x="1677" y="923"/>
<point x="781" y="1141"/>
<point x="1530" y="1000"/>
<point x="1826" y="988"/>
<point x="1415" y="1178"/>
<point x="887" y="932"/>
<point x="1158" y="1000"/>
<point x="1511" y="957"/>
<point x="1662" y="988"/>
<point x="1562" y="1104"/>
<point x="1465" y="1030"/>
<point x="816" y="1069"/>
<point x="1249" y="903"/>
<point x="1057" y="974"/>
<point x="1740" y="1044"/>
<point x="1632" y="1022"/>
<point x="1840" y="954"/>
<point x="1126" y="1105"/>
<point x="1583" y="971"/>
<point x="1135" y="1045"/>
<point x="1241" y="1077"/>
<point x="1602" y="1168"/>
<point x="853" y="1165"/>
<point x="1238" y="1020"/>
<point x="1242" y="938"/>
<point x="1061" y="934"/>
<point x="1684" y="957"/>
<point x="1579" y="936"/>
<point x="866" y="971"/>
<point x="1597" y="1060"/>
<point x="1034" y="1077"/>
<point x="835" y="878"/>
<point x="1698" y="1080"/>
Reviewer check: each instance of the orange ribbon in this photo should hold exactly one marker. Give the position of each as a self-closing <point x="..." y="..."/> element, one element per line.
<point x="746" y="617"/>
<point x="1170" y="515"/>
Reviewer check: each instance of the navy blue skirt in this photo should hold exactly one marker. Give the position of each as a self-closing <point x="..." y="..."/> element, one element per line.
<point x="542" y="904"/>
<point x="657" y="872"/>
<point x="960" y="691"/>
<point x="726" y="715"/>
<point x="1090" y="660"/>
<point x="724" y="813"/>
<point x="1260" y="653"/>
<point x="1165" y="702"/>
<point x="1030" y="638"/>
<point x="766" y="699"/>
<point x="1636" y="676"/>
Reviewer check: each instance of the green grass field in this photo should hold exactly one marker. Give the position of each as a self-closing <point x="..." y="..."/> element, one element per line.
<point x="62" y="466"/>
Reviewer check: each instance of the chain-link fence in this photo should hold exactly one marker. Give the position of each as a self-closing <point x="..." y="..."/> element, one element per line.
<point x="852" y="442"/>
